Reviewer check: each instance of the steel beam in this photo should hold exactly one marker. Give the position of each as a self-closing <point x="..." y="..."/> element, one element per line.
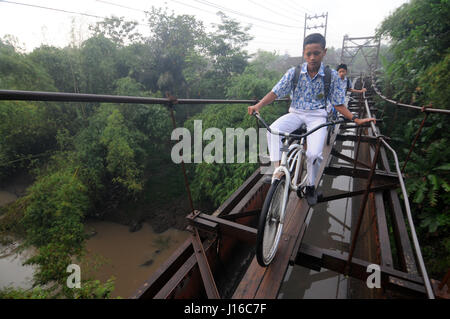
<point x="224" y="227"/>
<point x="318" y="258"/>
<point x="357" y="193"/>
<point x="205" y="270"/>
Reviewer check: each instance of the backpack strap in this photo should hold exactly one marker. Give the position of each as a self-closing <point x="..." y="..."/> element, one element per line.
<point x="327" y="82"/>
<point x="295" y="79"/>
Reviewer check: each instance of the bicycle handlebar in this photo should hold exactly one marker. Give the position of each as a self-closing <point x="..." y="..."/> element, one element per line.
<point x="285" y="134"/>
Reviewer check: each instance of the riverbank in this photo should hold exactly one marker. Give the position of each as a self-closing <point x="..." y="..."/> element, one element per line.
<point x="129" y="243"/>
<point x="130" y="257"/>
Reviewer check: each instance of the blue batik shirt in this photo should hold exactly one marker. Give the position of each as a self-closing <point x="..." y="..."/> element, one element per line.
<point x="309" y="94"/>
<point x="343" y="84"/>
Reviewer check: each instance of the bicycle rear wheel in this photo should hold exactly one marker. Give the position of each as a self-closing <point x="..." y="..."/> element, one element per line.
<point x="269" y="227"/>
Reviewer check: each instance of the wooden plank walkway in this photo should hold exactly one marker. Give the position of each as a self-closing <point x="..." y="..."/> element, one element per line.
<point x="265" y="282"/>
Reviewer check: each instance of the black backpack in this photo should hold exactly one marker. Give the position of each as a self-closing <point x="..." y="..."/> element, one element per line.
<point x="349" y="84"/>
<point x="326" y="80"/>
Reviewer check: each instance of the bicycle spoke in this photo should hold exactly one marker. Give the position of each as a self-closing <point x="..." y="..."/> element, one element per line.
<point x="270" y="240"/>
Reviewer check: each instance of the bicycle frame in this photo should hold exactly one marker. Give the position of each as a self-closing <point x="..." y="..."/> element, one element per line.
<point x="292" y="155"/>
<point x="296" y="157"/>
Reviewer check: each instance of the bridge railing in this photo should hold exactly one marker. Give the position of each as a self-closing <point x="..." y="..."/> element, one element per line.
<point x="169" y="101"/>
<point x="381" y="140"/>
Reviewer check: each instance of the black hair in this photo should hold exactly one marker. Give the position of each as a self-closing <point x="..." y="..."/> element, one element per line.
<point x="342" y="66"/>
<point x="315" y="38"/>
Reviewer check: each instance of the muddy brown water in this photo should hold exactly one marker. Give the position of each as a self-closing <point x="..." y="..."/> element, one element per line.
<point x="130" y="257"/>
<point x="113" y="251"/>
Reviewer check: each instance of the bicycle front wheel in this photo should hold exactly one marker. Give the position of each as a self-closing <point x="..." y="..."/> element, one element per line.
<point x="269" y="226"/>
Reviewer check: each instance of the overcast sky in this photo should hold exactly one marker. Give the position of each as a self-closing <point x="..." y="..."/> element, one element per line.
<point x="277" y="25"/>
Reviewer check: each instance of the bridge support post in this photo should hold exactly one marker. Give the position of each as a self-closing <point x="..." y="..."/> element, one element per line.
<point x="363" y="206"/>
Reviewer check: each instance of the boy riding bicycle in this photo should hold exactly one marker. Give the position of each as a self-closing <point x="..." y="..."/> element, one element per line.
<point x="308" y="106"/>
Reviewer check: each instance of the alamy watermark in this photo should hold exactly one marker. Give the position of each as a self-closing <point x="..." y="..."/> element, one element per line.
<point x="374" y="279"/>
<point x="74" y="279"/>
<point x="234" y="143"/>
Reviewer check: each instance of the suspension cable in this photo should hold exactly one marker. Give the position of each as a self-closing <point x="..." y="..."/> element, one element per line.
<point x="423" y="109"/>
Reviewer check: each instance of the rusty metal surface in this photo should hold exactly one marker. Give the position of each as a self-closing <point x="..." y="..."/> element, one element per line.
<point x="190" y="272"/>
<point x="17" y="95"/>
<point x="205" y="270"/>
<point x="337" y="261"/>
<point x="187" y="281"/>
<point x="363" y="206"/>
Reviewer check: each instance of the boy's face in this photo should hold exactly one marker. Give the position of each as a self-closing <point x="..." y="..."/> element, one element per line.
<point x="314" y="54"/>
<point x="342" y="73"/>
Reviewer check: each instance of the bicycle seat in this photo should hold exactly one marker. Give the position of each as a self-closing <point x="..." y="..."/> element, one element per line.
<point x="301" y="130"/>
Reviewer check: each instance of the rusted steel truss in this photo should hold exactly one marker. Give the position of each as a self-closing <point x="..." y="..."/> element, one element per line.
<point x="217" y="239"/>
<point x="232" y="221"/>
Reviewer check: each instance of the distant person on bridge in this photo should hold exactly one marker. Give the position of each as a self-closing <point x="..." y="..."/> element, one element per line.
<point x="308" y="106"/>
<point x="344" y="82"/>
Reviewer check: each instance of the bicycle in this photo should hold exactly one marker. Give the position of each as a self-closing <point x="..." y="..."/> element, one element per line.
<point x="293" y="165"/>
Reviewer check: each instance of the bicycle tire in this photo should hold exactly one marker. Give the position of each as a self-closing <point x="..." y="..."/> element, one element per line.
<point x="267" y="227"/>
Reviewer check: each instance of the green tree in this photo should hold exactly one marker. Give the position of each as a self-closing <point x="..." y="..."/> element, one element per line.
<point x="120" y="31"/>
<point x="98" y="67"/>
<point x="173" y="38"/>
<point x="57" y="204"/>
<point x="417" y="73"/>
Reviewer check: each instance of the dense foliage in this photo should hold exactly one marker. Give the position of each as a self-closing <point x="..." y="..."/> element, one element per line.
<point x="418" y="73"/>
<point x="92" y="159"/>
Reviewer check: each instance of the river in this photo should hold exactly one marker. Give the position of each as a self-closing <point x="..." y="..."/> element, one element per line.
<point x="130" y="257"/>
<point x="113" y="251"/>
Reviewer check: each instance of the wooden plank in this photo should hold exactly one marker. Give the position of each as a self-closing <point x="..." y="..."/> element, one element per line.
<point x="255" y="274"/>
<point x="407" y="259"/>
<point x="325" y="163"/>
<point x="249" y="284"/>
<point x="273" y="278"/>
<point x="383" y="232"/>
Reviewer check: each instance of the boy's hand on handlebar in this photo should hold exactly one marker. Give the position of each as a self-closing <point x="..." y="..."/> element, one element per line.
<point x="252" y="109"/>
<point x="362" y="121"/>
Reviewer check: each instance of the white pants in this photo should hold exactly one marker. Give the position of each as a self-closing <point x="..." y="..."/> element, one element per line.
<point x="292" y="121"/>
